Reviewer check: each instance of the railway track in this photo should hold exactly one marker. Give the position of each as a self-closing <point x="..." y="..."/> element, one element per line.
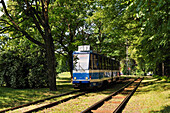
<point x="115" y="102"/>
<point x="27" y="110"/>
<point x="42" y="104"/>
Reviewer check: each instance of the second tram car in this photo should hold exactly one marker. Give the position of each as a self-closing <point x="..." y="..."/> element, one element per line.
<point x="92" y="69"/>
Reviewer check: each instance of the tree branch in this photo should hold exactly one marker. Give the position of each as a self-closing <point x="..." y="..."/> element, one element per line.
<point x="4" y="29"/>
<point x="31" y="9"/>
<point x="18" y="28"/>
<point x="4" y="21"/>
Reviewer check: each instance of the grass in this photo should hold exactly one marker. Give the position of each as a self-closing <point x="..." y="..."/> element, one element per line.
<point x="153" y="96"/>
<point x="81" y="103"/>
<point x="14" y="97"/>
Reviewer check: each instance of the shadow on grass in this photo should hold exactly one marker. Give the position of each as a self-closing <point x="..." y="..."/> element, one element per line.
<point x="166" y="109"/>
<point x="66" y="87"/>
<point x="154" y="86"/>
<point x="14" y="97"/>
<point x="64" y="78"/>
<point x="113" y="88"/>
<point x="63" y="81"/>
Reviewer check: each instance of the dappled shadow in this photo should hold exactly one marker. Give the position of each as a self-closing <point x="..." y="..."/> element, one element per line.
<point x="63" y="81"/>
<point x="143" y="87"/>
<point x="114" y="87"/>
<point x="66" y="86"/>
<point x="166" y="109"/>
<point x="154" y="86"/>
<point x="64" y="78"/>
<point x="14" y="97"/>
<point x="146" y="83"/>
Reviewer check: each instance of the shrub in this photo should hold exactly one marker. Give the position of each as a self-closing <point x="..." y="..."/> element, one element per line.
<point x="165" y="78"/>
<point x="19" y="71"/>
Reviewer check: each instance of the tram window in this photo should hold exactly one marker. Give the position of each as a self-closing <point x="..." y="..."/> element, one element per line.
<point x="117" y="65"/>
<point x="114" y="65"/>
<point x="111" y="64"/>
<point x="95" y="58"/>
<point x="105" y="63"/>
<point x="100" y="62"/>
<point x="91" y="61"/>
<point x="108" y="64"/>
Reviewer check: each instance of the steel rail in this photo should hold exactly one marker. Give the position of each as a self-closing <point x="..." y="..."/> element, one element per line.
<point x="125" y="101"/>
<point x="35" y="102"/>
<point x="60" y="101"/>
<point x="101" y="102"/>
<point x="54" y="103"/>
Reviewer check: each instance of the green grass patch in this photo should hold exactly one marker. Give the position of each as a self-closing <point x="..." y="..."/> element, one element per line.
<point x="152" y="96"/>
<point x="14" y="97"/>
<point x="82" y="102"/>
<point x="164" y="78"/>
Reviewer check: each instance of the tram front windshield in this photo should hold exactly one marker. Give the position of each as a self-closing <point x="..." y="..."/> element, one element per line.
<point x="81" y="61"/>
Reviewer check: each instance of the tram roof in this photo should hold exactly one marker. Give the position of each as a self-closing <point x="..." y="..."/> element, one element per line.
<point x="82" y="52"/>
<point x="88" y="52"/>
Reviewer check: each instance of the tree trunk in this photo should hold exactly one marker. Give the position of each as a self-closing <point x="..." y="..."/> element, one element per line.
<point x="51" y="65"/>
<point x="51" y="62"/>
<point x="70" y="62"/>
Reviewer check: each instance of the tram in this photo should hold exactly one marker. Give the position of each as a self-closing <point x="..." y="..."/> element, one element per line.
<point x="91" y="69"/>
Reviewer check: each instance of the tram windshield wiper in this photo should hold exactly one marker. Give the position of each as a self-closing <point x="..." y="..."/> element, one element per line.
<point x="81" y="67"/>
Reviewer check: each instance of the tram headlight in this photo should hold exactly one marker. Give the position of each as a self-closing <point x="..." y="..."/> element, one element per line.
<point x="86" y="78"/>
<point x="75" y="78"/>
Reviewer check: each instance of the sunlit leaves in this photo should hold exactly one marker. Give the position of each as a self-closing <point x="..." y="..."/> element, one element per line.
<point x="153" y="42"/>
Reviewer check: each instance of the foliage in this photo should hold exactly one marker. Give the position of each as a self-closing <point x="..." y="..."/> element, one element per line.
<point x="153" y="41"/>
<point x="22" y="66"/>
<point x="63" y="65"/>
<point x="165" y="78"/>
<point x="104" y="26"/>
<point x="67" y="19"/>
<point x="109" y="27"/>
<point x="129" y="68"/>
<point x="29" y="19"/>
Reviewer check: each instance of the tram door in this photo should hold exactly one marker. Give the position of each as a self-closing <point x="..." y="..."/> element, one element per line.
<point x="94" y="68"/>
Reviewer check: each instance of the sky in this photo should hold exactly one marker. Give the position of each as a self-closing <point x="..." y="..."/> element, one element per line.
<point x="1" y="7"/>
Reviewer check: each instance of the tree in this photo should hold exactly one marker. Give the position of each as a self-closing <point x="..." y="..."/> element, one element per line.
<point x="69" y="25"/>
<point x="109" y="27"/>
<point x="153" y="41"/>
<point x="22" y="64"/>
<point x="28" y="17"/>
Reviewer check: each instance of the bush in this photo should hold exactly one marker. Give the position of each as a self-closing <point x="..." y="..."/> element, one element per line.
<point x="19" y="71"/>
<point x="165" y="78"/>
<point x="62" y="64"/>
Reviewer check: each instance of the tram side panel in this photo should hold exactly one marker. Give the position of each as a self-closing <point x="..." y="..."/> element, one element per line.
<point x="93" y="70"/>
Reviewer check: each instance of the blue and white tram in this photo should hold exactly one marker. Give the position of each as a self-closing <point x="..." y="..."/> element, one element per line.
<point x="93" y="70"/>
